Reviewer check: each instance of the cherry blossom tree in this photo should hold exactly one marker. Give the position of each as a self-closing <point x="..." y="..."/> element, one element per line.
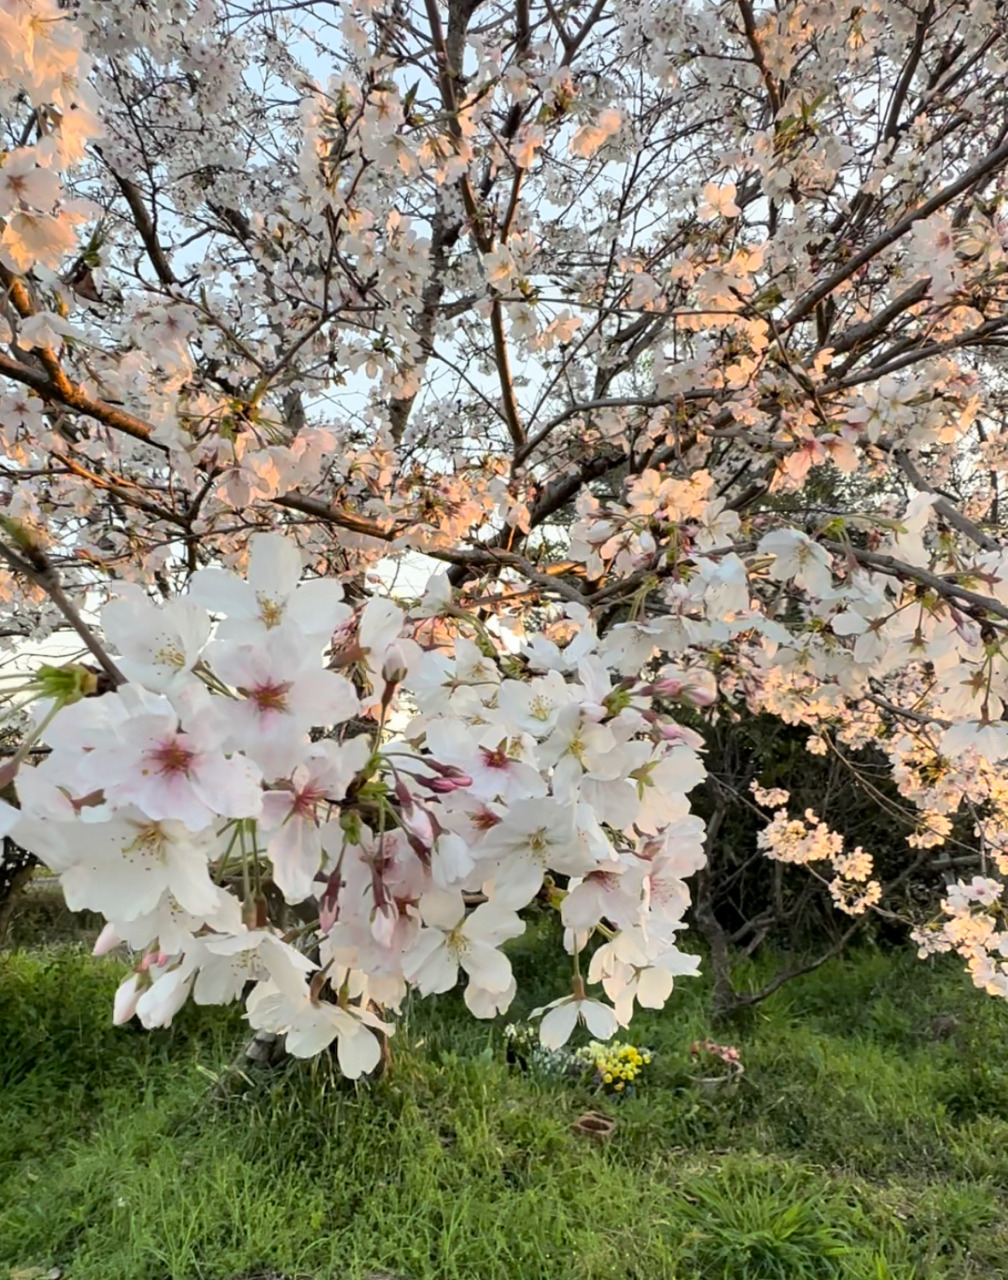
<point x="558" y="306"/>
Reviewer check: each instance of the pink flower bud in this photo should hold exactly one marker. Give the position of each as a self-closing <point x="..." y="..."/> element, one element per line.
<point x="698" y="687"/>
<point x="445" y="786"/>
<point x="702" y="689"/>
<point x="669" y="687"/>
<point x="449" y="771"/>
<point x="329" y="902"/>
<point x="107" y="941"/>
<point x="126" y="998"/>
<point x="402" y="794"/>
<point x="440" y="786"/>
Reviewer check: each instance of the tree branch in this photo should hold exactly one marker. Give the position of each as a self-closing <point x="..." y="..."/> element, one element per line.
<point x="34" y="565"/>
<point x="982" y="169"/>
<point x="943" y="506"/>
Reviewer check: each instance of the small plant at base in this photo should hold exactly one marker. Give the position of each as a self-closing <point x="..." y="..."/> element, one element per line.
<point x="610" y="1068"/>
<point x="615" y="1067"/>
<point x="525" y="1050"/>
<point x="727" y="1054"/>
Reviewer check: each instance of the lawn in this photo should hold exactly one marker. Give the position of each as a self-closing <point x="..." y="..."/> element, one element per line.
<point x="867" y="1139"/>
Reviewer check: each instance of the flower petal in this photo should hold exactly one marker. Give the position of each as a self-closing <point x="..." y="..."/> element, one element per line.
<point x="558" y="1025"/>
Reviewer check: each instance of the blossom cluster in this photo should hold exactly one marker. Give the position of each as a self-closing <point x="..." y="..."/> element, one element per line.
<point x="806" y="840"/>
<point x="239" y="854"/>
<point x="975" y="926"/>
<point x="42" y="58"/>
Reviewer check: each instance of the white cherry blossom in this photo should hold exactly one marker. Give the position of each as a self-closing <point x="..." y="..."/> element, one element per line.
<point x="273" y="593"/>
<point x="560" y="1017"/>
<point x="156" y="646"/>
<point x="451" y="939"/>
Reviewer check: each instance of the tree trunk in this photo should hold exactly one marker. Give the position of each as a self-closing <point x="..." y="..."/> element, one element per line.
<point x="707" y="922"/>
<point x="16" y="866"/>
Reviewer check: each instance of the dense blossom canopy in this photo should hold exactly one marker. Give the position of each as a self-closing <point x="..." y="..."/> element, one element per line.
<point x="662" y="338"/>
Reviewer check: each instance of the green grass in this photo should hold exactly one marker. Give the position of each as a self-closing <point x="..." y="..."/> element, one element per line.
<point x="859" y="1145"/>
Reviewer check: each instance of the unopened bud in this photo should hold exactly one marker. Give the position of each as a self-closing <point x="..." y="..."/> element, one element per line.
<point x="697" y="687"/>
<point x="445" y="786"/>
<point x="402" y="794"/>
<point x="394" y="667"/>
<point x="440" y="786"/>
<point x="702" y="689"/>
<point x="448" y="770"/>
<point x="107" y="941"/>
<point x="126" y="998"/>
<point x="65" y="684"/>
<point x="329" y="900"/>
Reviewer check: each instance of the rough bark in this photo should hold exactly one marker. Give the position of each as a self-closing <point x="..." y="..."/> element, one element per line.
<point x="16" y="866"/>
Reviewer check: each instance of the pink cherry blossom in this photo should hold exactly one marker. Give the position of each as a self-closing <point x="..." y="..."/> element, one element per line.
<point x="452" y="939"/>
<point x="173" y="773"/>
<point x="282" y="692"/>
<point x="292" y="818"/>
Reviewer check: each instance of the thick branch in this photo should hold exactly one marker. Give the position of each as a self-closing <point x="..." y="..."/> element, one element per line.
<point x="946" y="588"/>
<point x="752" y="36"/>
<point x="295" y="501"/>
<point x="982" y="169"/>
<point x="860" y="334"/>
<point x="65" y="393"/>
<point x="510" y="402"/>
<point x="907" y="74"/>
<point x="944" y="507"/>
<point x="145" y="226"/>
<point x="122" y="491"/>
